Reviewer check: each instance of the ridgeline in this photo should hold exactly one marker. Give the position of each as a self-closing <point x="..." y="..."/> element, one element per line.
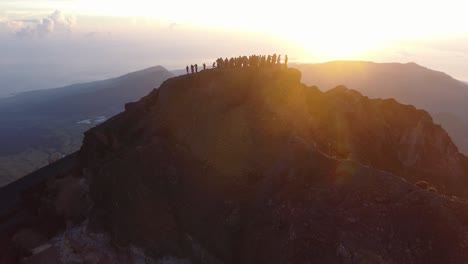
<point x="249" y="165"/>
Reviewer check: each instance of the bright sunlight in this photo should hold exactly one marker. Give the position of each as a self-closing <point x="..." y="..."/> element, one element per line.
<point x="353" y="29"/>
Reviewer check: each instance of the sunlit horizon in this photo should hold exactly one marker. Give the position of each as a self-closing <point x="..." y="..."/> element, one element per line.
<point x="106" y="38"/>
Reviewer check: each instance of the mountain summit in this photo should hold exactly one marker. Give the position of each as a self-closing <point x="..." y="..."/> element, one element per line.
<point x="248" y="166"/>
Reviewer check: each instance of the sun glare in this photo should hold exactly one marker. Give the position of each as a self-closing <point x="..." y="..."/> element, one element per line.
<point x="330" y="30"/>
<point x="337" y="46"/>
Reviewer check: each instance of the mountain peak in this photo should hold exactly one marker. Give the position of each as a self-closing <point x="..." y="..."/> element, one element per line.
<point x="413" y="64"/>
<point x="249" y="165"/>
<point x="214" y="97"/>
<point x="146" y="71"/>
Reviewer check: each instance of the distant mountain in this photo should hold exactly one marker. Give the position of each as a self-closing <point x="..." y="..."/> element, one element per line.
<point x="179" y="72"/>
<point x="408" y="83"/>
<point x="41" y="126"/>
<point x="247" y="166"/>
<point x="107" y="96"/>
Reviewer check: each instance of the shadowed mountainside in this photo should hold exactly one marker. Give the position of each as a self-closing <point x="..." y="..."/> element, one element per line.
<point x="38" y="127"/>
<point x="408" y="83"/>
<point x="251" y="166"/>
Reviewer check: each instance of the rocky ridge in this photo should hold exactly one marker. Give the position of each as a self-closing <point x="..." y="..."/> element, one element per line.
<point x="251" y="166"/>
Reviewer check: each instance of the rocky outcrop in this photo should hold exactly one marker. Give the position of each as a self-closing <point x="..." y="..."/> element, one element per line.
<point x="251" y="166"/>
<point x="409" y="83"/>
<point x="221" y="117"/>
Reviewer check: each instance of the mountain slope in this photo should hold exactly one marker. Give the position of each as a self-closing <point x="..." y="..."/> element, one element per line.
<point x="39" y="126"/>
<point x="408" y="83"/>
<point x="88" y="97"/>
<point x="250" y="166"/>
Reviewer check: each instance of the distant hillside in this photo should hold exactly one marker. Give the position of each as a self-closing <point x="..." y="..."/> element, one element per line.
<point x="408" y="83"/>
<point x="41" y="126"/>
<point x="179" y="72"/>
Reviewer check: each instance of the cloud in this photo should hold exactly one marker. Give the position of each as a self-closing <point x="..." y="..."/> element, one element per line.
<point x="27" y="28"/>
<point x="61" y="20"/>
<point x="41" y="27"/>
<point x="46" y="26"/>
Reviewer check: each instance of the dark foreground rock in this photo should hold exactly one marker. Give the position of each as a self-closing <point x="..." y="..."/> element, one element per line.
<point x="251" y="166"/>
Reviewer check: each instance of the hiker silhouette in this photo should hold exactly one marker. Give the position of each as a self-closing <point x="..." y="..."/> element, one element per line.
<point x="245" y="61"/>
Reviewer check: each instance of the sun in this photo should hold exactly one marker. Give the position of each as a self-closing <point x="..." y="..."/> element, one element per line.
<point x="338" y="47"/>
<point x="335" y="40"/>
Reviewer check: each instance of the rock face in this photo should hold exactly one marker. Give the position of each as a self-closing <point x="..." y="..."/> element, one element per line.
<point x="409" y="83"/>
<point x="251" y="166"/>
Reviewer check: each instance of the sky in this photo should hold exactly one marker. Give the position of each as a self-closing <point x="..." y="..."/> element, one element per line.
<point x="51" y="43"/>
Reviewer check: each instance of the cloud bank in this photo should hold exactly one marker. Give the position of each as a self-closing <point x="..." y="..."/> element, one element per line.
<point x="41" y="27"/>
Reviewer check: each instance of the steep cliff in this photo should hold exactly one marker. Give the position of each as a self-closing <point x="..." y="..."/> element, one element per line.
<point x="251" y="166"/>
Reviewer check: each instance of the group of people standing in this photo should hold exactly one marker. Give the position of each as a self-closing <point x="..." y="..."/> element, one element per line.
<point x="252" y="61"/>
<point x="243" y="61"/>
<point x="194" y="68"/>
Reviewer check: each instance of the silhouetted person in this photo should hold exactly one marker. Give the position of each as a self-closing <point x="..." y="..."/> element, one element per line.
<point x="196" y="67"/>
<point x="186" y="68"/>
<point x="191" y="68"/>
<point x="245" y="61"/>
<point x="204" y="66"/>
<point x="226" y="63"/>
<point x="268" y="60"/>
<point x="273" y="59"/>
<point x="286" y="61"/>
<point x="279" y="59"/>
<point x="213" y="66"/>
